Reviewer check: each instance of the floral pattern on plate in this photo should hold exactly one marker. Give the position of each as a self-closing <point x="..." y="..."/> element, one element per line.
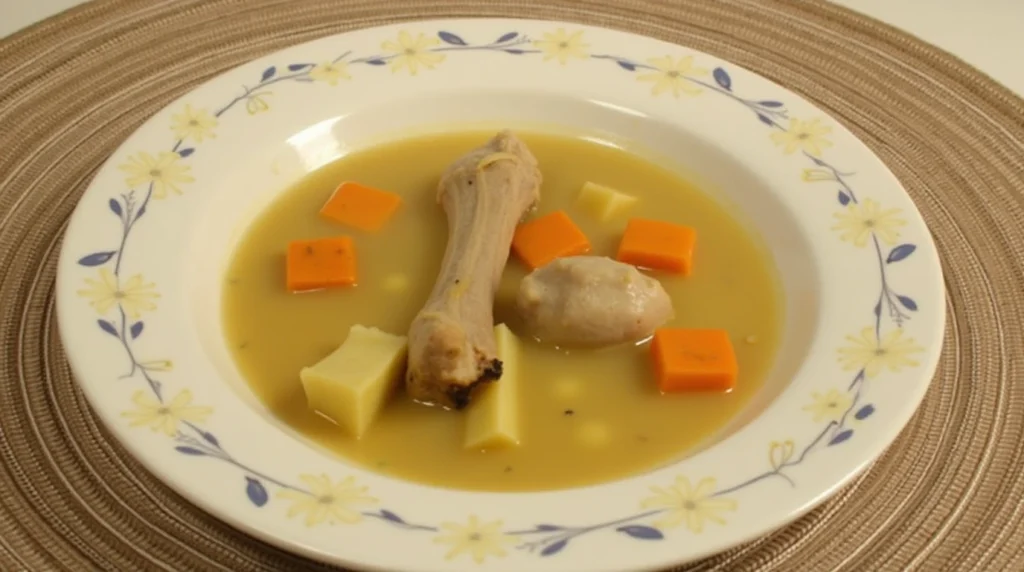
<point x="122" y="299"/>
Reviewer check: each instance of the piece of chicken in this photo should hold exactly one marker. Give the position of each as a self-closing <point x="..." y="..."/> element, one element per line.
<point x="591" y="301"/>
<point x="451" y="341"/>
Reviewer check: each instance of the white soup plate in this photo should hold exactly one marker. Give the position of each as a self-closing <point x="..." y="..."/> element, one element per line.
<point x="146" y="250"/>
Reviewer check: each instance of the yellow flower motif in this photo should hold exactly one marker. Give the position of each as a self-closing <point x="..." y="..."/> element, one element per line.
<point x="807" y="136"/>
<point x="477" y="539"/>
<point x="815" y="175"/>
<point x="165" y="417"/>
<point x="135" y="296"/>
<point x="327" y="501"/>
<point x="257" y="104"/>
<point x="828" y="407"/>
<point x="192" y="124"/>
<point x="412" y="53"/>
<point x="779" y="453"/>
<point x="157" y="365"/>
<point x="860" y="220"/>
<point x="686" y="503"/>
<point x="164" y="171"/>
<point x="671" y="76"/>
<point x="563" y="46"/>
<point x="866" y="351"/>
<point x="330" y="72"/>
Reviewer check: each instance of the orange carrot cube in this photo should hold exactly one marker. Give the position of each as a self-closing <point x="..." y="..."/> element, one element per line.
<point x="321" y="263"/>
<point x="658" y="245"/>
<point x="693" y="360"/>
<point x="541" y="240"/>
<point x="360" y="206"/>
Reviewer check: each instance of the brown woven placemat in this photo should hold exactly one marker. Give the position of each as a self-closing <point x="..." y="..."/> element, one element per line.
<point x="945" y="497"/>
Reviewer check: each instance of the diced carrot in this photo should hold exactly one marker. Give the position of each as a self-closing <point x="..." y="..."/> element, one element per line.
<point x="693" y="360"/>
<point x="541" y="240"/>
<point x="658" y="245"/>
<point x="360" y="206"/>
<point x="321" y="263"/>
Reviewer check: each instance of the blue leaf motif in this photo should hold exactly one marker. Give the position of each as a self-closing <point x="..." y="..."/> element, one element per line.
<point x="722" y="78"/>
<point x="210" y="438"/>
<point x="844" y="199"/>
<point x="137" y="328"/>
<point x="142" y="211"/>
<point x="96" y="258"/>
<point x="515" y="52"/>
<point x="297" y="67"/>
<point x="841" y="436"/>
<point x="555" y="548"/>
<point x="189" y="451"/>
<point x="186" y="152"/>
<point x="864" y="412"/>
<point x="376" y="62"/>
<point x="641" y="532"/>
<point x="900" y="252"/>
<point x="115" y="206"/>
<point x="629" y="66"/>
<point x="765" y="119"/>
<point x="548" y="527"/>
<point x="771" y="104"/>
<point x="878" y="309"/>
<point x="255" y="491"/>
<point x="907" y="302"/>
<point x="507" y="37"/>
<point x="268" y="73"/>
<point x="450" y="38"/>
<point x="388" y="515"/>
<point x="108" y="328"/>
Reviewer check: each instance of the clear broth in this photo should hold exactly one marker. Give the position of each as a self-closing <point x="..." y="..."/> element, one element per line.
<point x="587" y="416"/>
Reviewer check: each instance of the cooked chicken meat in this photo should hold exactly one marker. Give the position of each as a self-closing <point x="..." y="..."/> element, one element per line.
<point x="451" y="341"/>
<point x="591" y="301"/>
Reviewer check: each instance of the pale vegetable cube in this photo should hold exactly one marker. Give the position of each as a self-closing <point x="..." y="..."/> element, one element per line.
<point x="594" y="433"/>
<point x="351" y="385"/>
<point x="396" y="283"/>
<point x="566" y="388"/>
<point x="603" y="203"/>
<point x="493" y="416"/>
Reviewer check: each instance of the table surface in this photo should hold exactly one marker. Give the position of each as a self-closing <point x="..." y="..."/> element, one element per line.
<point x="984" y="33"/>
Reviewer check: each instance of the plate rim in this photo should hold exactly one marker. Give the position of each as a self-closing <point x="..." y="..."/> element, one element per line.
<point x="68" y="256"/>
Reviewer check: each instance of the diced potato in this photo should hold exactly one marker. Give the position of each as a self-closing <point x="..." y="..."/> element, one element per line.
<point x="603" y="203"/>
<point x="566" y="388"/>
<point x="493" y="416"/>
<point x="351" y="385"/>
<point x="396" y="283"/>
<point x="594" y="433"/>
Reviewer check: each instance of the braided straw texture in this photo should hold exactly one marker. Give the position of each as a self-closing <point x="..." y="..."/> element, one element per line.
<point x="944" y="497"/>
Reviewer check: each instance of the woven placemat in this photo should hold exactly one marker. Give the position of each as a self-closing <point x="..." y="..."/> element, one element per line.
<point x="946" y="495"/>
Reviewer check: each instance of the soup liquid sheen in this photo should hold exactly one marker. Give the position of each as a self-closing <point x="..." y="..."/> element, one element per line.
<point x="586" y="416"/>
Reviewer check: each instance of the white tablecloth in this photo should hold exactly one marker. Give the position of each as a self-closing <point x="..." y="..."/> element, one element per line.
<point x="988" y="34"/>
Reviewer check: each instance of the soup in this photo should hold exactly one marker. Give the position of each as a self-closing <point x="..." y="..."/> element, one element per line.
<point x="585" y="415"/>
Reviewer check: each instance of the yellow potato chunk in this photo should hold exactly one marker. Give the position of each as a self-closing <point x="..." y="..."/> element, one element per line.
<point x="396" y="283"/>
<point x="493" y="417"/>
<point x="603" y="203"/>
<point x="351" y="385"/>
<point x="594" y="433"/>
<point x="566" y="388"/>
